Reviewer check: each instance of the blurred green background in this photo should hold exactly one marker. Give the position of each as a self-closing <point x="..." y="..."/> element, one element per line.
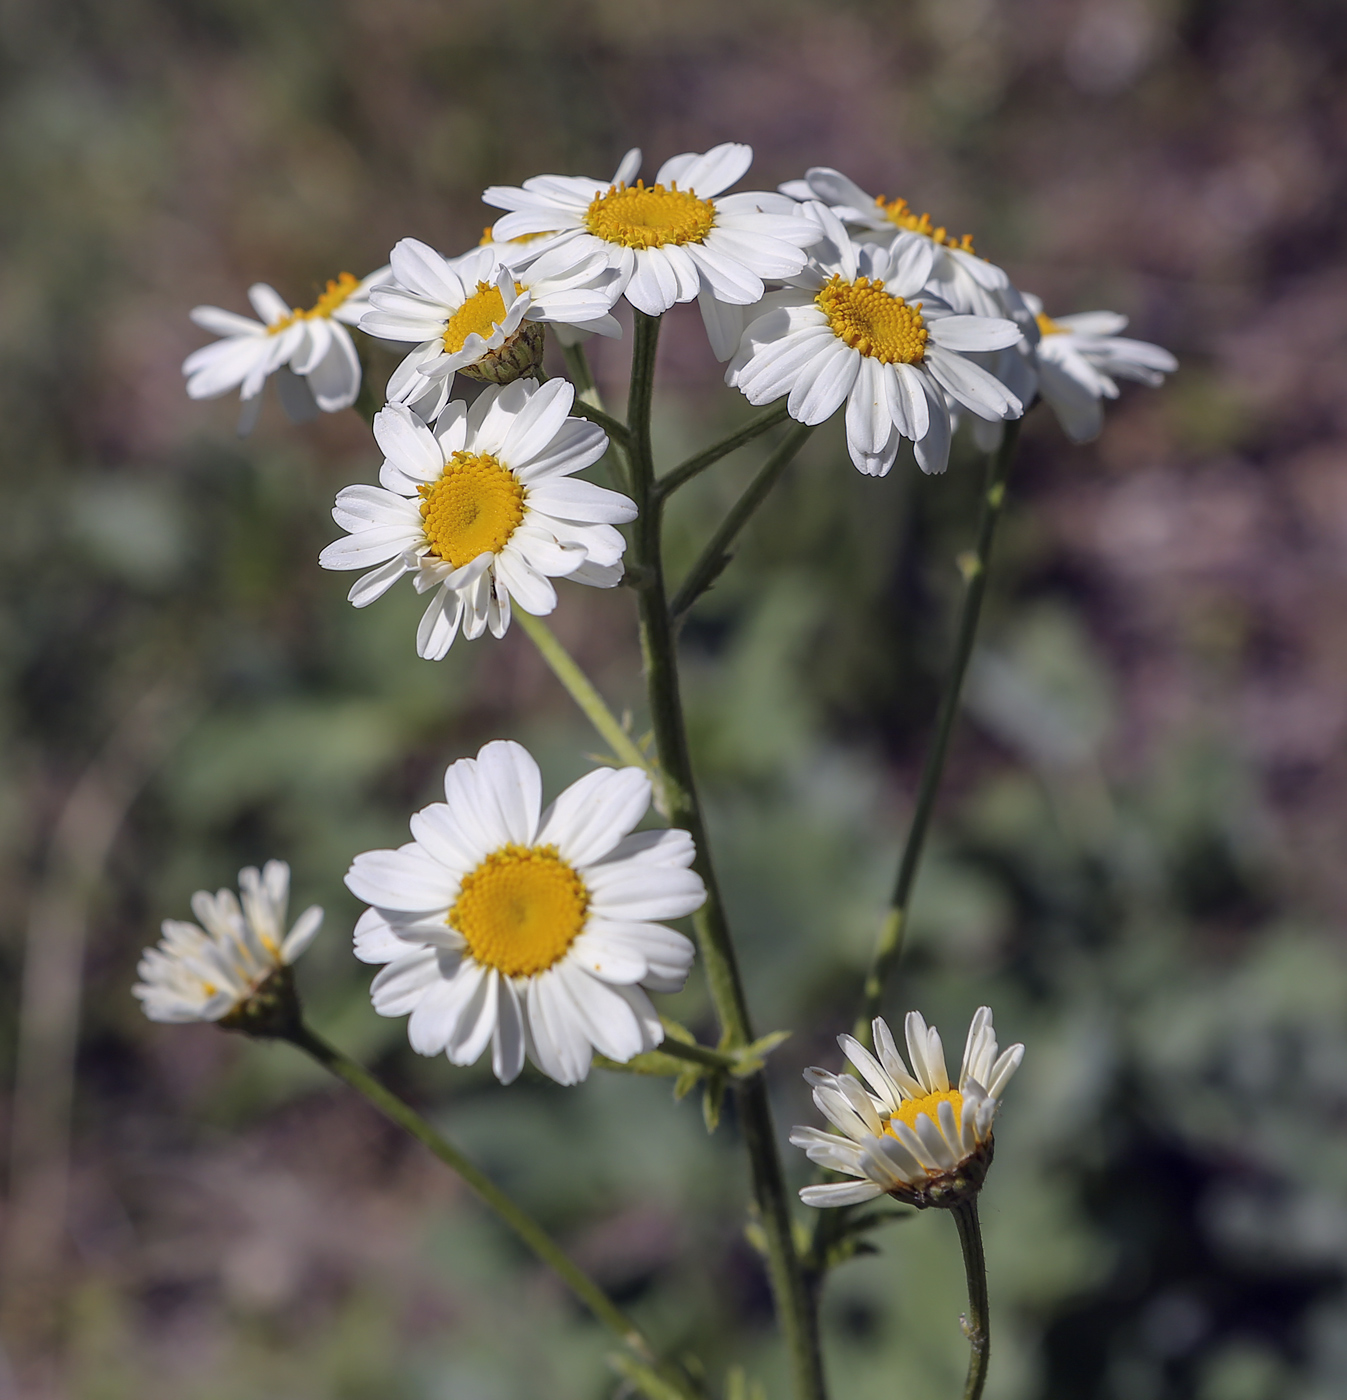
<point x="1138" y="859"/>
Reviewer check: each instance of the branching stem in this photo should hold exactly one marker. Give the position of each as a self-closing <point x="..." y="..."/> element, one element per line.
<point x="695" y="465"/>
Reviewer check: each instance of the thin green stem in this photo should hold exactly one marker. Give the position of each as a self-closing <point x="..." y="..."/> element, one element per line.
<point x="889" y="944"/>
<point x="616" y="431"/>
<point x="716" y="555"/>
<point x="577" y="366"/>
<point x="681" y="805"/>
<point x="582" y="691"/>
<point x="523" y="1224"/>
<point x="695" y="465"/>
<point x="698" y="1054"/>
<point x="977" y="1323"/>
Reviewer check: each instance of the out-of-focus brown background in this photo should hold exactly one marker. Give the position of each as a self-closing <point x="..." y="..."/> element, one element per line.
<point x="1139" y="860"/>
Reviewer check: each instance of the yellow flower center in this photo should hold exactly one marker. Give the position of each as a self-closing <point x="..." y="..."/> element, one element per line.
<point x="474" y="506"/>
<point x="873" y="321"/>
<point x="912" y="1109"/>
<point x="481" y="314"/>
<point x="1048" y="326"/>
<point x="486" y="239"/>
<point x="338" y="289"/>
<point x="902" y="216"/>
<point x="637" y="217"/>
<point x="520" y="909"/>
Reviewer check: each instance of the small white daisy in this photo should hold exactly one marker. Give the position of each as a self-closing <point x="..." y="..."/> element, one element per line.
<point x="1080" y="358"/>
<point x="480" y="314"/>
<point x="863" y="325"/>
<point x="310" y="352"/>
<point x="911" y="1135"/>
<point x="669" y="242"/>
<point x="967" y="282"/>
<point x="482" y="510"/>
<point x="534" y="931"/>
<point x="206" y="971"/>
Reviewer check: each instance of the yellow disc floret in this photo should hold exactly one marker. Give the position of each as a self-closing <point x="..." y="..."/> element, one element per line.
<point x="912" y="1109"/>
<point x="474" y="507"/>
<point x="520" y="909"/>
<point x="637" y="217"/>
<point x="900" y="214"/>
<point x="481" y="314"/>
<point x="874" y="321"/>
<point x="1047" y="326"/>
<point x="336" y="292"/>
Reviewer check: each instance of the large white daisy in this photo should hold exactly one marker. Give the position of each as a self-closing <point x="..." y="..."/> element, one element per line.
<point x="967" y="282"/>
<point x="206" y="971"/>
<point x="481" y="314"/>
<point x="669" y="242"/>
<point x="1080" y="359"/>
<point x="310" y="352"/>
<point x="481" y="510"/>
<point x="863" y="325"/>
<point x="533" y="931"/>
<point x="909" y="1134"/>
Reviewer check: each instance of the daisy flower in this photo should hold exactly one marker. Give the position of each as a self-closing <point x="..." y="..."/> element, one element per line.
<point x="678" y="239"/>
<point x="482" y="510"/>
<point x="310" y="352"/>
<point x="533" y="931"/>
<point x="908" y="1135"/>
<point x="1079" y="360"/>
<point x="480" y="314"/>
<point x="210" y="970"/>
<point x="864" y="326"/>
<point x="969" y="283"/>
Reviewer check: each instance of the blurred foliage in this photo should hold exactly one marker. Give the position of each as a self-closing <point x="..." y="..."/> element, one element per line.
<point x="1138" y="858"/>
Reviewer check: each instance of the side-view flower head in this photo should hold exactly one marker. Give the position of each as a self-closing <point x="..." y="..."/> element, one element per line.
<point x="208" y="970"/>
<point x="864" y="326"/>
<point x="969" y="283"/>
<point x="534" y="931"/>
<point x="482" y="510"/>
<point x="678" y="239"/>
<point x="1079" y="360"/>
<point x="479" y="314"/>
<point x="310" y="352"/>
<point x="908" y="1134"/>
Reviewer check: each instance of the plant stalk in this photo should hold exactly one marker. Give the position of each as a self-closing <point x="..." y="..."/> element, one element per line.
<point x="695" y="465"/>
<point x="977" y="1323"/>
<point x="683" y="808"/>
<point x="524" y="1226"/>
<point x="889" y="945"/>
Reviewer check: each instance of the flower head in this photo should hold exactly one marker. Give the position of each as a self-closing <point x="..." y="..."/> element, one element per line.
<point x="908" y="1135"/>
<point x="212" y="970"/>
<point x="310" y="351"/>
<point x="864" y="326"/>
<point x="481" y="314"/>
<point x="532" y="931"/>
<point x="970" y="284"/>
<point x="1080" y="358"/>
<point x="482" y="510"/>
<point x="675" y="240"/>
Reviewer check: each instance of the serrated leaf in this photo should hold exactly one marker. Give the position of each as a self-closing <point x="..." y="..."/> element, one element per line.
<point x="686" y="1082"/>
<point x="713" y="1100"/>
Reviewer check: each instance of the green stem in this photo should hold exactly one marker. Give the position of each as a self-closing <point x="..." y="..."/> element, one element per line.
<point x="698" y="1054"/>
<point x="577" y="366"/>
<point x="694" y="466"/>
<point x="683" y="809"/>
<point x="977" y="1324"/>
<point x="523" y="1224"/>
<point x="582" y="691"/>
<point x="889" y="945"/>
<point x="616" y="431"/>
<point x="716" y="555"/>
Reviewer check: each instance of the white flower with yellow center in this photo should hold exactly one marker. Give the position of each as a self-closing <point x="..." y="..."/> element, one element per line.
<point x="969" y="283"/>
<point x="205" y="971"/>
<point x="1080" y="359"/>
<point x="533" y="931"/>
<point x="910" y="1135"/>
<point x="480" y="314"/>
<point x="862" y="325"/>
<point x="482" y="510"/>
<point x="310" y="351"/>
<point x="669" y="242"/>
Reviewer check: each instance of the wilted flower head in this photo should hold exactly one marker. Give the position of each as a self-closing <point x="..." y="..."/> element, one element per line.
<point x="910" y="1135"/>
<point x="211" y="971"/>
